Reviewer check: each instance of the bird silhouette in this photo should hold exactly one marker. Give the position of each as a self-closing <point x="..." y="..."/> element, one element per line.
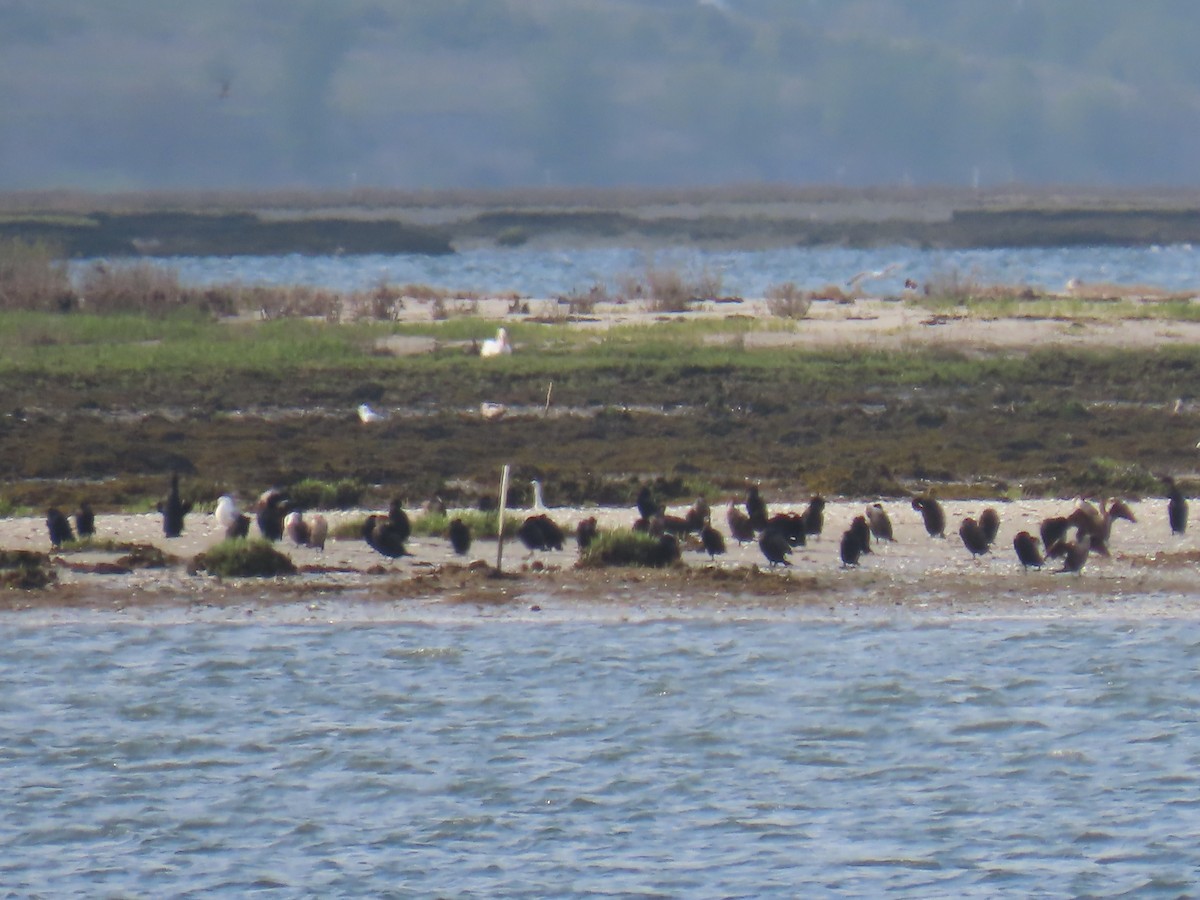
<point x="989" y="524"/>
<point x="756" y="508"/>
<point x="712" y="540"/>
<point x="740" y="528"/>
<point x="1177" y="507"/>
<point x="1028" y="552"/>
<point x="775" y="547"/>
<point x="85" y="520"/>
<point x="851" y="547"/>
<point x="384" y="537"/>
<point x="539" y="533"/>
<point x="174" y="509"/>
<point x="269" y="512"/>
<point x="881" y="524"/>
<point x="814" y="517"/>
<point x="460" y="536"/>
<point x="973" y="537"/>
<point x="585" y="532"/>
<point x="932" y="514"/>
<point x="59" y="527"/>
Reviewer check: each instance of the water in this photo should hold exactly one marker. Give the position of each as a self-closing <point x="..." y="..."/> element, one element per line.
<point x="548" y="273"/>
<point x="692" y="756"/>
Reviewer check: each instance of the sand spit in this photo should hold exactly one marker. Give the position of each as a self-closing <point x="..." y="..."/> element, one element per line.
<point x="1150" y="572"/>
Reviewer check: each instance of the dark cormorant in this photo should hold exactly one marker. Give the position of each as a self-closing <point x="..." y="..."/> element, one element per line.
<point x="173" y="509"/>
<point x="851" y="547"/>
<point x="775" y="547"/>
<point x="1074" y="553"/>
<point x="540" y="533"/>
<point x="698" y="516"/>
<point x="1028" y="552"/>
<point x="931" y="511"/>
<point x="460" y="536"/>
<point x="756" y="508"/>
<point x="973" y="537"/>
<point x="713" y="541"/>
<point x="814" y="516"/>
<point x="59" y="527"/>
<point x="383" y="537"/>
<point x="85" y="520"/>
<point x="666" y="552"/>
<point x="269" y="513"/>
<point x="792" y="526"/>
<point x="647" y="506"/>
<point x="1053" y="530"/>
<point x="1177" y="508"/>
<point x="585" y="532"/>
<point x="989" y="524"/>
<point x="860" y="527"/>
<point x="739" y="525"/>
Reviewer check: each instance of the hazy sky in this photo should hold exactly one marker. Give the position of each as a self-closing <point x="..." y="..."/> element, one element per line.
<point x="495" y="93"/>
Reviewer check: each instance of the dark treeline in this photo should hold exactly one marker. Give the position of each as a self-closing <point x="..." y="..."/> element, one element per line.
<point x="496" y="93"/>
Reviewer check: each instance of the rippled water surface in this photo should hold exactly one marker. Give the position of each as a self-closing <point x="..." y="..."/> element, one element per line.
<point x="679" y="758"/>
<point x="547" y="273"/>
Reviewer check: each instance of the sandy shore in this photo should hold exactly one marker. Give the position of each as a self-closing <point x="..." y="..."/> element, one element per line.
<point x="880" y="323"/>
<point x="1149" y="572"/>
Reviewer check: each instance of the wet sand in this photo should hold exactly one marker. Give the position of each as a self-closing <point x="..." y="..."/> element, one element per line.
<point x="1149" y="572"/>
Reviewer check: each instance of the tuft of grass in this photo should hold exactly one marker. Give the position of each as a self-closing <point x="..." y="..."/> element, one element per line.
<point x="33" y="276"/>
<point x="311" y="493"/>
<point x="787" y="301"/>
<point x="625" y="547"/>
<point x="1103" y="475"/>
<point x="238" y="558"/>
<point x="25" y="569"/>
<point x="483" y="525"/>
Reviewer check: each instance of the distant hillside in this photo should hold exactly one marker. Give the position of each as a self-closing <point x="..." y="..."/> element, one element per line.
<point x="137" y="94"/>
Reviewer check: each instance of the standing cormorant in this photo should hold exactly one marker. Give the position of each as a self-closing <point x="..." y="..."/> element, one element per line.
<point x="1028" y="552"/>
<point x="931" y="511"/>
<point x="173" y="509"/>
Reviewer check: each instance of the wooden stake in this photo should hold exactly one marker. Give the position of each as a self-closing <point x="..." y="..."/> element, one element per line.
<point x="549" y="391"/>
<point x="500" y="524"/>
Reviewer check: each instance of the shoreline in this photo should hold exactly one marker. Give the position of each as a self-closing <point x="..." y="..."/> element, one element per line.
<point x="1149" y="573"/>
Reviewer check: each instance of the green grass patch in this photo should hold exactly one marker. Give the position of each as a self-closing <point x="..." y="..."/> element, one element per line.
<point x="625" y="547"/>
<point x="237" y="558"/>
<point x="25" y="569"/>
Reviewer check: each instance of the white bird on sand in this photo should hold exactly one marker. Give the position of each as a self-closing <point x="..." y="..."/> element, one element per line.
<point x="227" y="511"/>
<point x="538" y="505"/>
<point x="367" y="416"/>
<point x="496" y="346"/>
<point x="490" y="410"/>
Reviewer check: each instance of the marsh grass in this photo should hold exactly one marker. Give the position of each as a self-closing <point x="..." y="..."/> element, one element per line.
<point x="240" y="558"/>
<point x="787" y="301"/>
<point x="312" y="493"/>
<point x="624" y="547"/>
<point x="25" y="570"/>
<point x="33" y="276"/>
<point x="483" y="525"/>
<point x="33" y="341"/>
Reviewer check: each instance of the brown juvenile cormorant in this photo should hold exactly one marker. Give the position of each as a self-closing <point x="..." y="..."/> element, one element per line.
<point x="931" y="511"/>
<point x="1028" y="552"/>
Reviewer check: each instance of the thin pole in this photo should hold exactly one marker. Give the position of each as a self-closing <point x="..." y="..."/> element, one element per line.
<point x="549" y="391"/>
<point x="500" y="524"/>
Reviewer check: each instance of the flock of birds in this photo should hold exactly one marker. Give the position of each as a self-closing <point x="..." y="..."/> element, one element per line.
<point x="1071" y="539"/>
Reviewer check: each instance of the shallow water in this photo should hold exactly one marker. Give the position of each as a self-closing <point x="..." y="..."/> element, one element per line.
<point x="548" y="273"/>
<point x="676" y="757"/>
